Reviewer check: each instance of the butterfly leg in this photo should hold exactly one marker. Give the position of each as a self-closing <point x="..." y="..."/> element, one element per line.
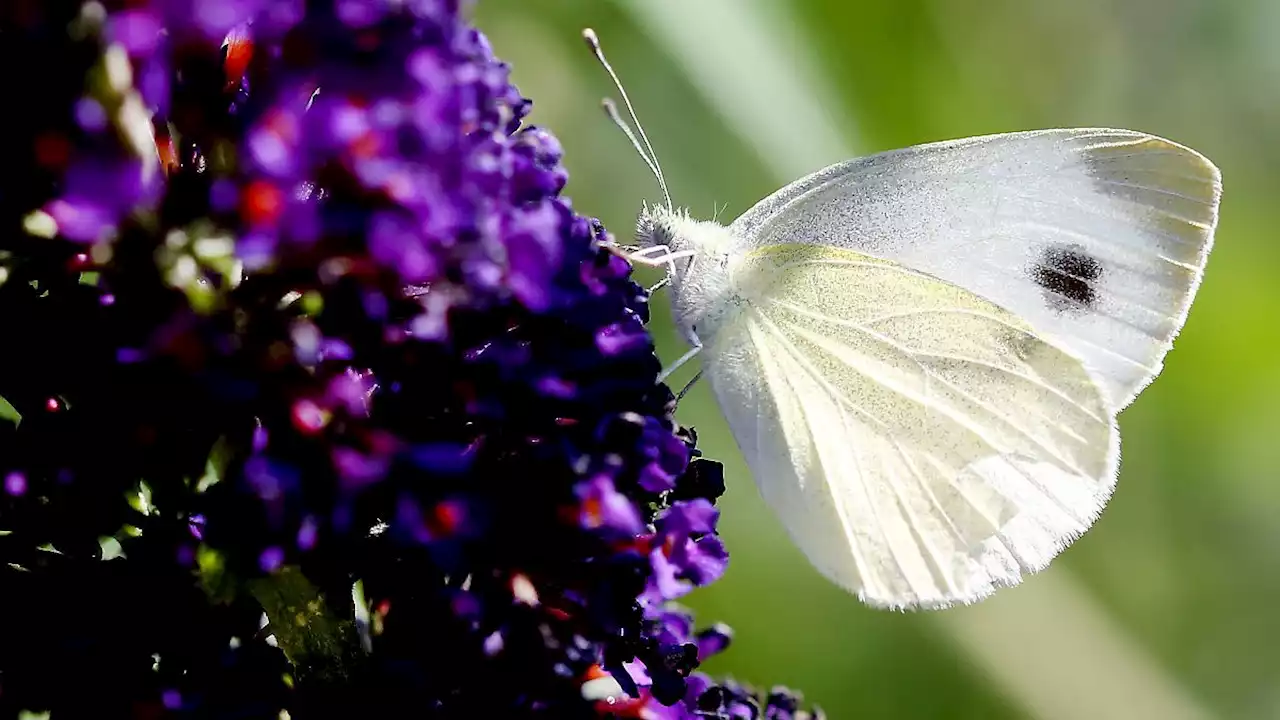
<point x="641" y="256"/>
<point x="696" y="342"/>
<point x="687" y="387"/>
<point x="645" y="252"/>
<point x="664" y="256"/>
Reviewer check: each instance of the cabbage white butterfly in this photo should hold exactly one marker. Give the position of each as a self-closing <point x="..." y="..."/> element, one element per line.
<point x="921" y="353"/>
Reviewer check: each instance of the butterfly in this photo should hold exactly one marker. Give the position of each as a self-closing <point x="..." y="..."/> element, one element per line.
<point x="921" y="353"/>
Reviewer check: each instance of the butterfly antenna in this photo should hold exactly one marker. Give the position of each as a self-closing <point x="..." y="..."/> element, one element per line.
<point x="651" y="158"/>
<point x="611" y="109"/>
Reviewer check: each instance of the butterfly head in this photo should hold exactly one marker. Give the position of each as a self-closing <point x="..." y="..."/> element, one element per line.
<point x="699" y="253"/>
<point x="690" y="241"/>
<point x="659" y="225"/>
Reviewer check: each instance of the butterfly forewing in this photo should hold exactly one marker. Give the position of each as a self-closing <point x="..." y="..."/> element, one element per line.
<point x="1096" y="238"/>
<point x="921" y="444"/>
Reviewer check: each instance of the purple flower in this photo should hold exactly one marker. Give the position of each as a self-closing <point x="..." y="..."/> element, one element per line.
<point x="605" y="510"/>
<point x="732" y="700"/>
<point x="15" y="483"/>
<point x="327" y="330"/>
<point x="686" y="552"/>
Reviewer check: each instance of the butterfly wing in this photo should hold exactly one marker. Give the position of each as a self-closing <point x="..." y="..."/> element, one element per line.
<point x="1097" y="238"/>
<point x="922" y="445"/>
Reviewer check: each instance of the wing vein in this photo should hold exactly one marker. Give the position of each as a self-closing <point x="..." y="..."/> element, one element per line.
<point x="798" y="358"/>
<point x="867" y="573"/>
<point x="912" y="353"/>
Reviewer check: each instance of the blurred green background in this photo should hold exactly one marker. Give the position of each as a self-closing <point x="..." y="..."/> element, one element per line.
<point x="1168" y="607"/>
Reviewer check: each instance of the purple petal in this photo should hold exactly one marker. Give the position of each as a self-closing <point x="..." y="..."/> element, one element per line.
<point x="604" y="508"/>
<point x="713" y="641"/>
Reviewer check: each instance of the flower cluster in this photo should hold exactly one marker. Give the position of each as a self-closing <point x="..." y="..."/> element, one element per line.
<point x="317" y="396"/>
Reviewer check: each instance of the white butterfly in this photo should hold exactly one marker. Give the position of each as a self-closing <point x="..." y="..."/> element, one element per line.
<point x="921" y="353"/>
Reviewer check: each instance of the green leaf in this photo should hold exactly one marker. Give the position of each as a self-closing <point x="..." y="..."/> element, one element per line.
<point x="9" y="412"/>
<point x="323" y="647"/>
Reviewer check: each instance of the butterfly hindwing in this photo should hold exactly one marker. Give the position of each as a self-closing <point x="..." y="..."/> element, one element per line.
<point x="921" y="445"/>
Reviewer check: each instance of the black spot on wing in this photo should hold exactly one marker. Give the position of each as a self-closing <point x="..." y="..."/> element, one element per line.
<point x="1067" y="274"/>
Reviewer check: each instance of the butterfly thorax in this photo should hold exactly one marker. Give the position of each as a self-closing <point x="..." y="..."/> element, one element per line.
<point x="701" y="291"/>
